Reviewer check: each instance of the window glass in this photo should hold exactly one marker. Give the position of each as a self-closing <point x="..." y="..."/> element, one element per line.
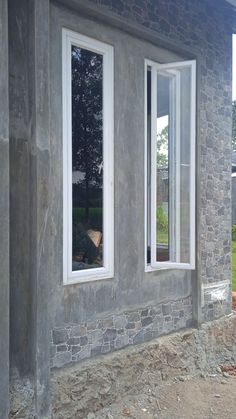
<point x="87" y="158"/>
<point x="170" y="135"/>
<point x="163" y="145"/>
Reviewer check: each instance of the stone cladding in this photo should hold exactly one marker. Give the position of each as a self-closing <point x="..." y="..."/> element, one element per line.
<point x="75" y="342"/>
<point x="205" y="28"/>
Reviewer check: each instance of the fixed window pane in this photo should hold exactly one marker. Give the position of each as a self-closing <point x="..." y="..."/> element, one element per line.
<point x="87" y="158"/>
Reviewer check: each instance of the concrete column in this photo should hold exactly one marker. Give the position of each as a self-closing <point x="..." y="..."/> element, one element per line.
<point x="40" y="199"/>
<point x="30" y="174"/>
<point x="20" y="283"/>
<point x="4" y="214"/>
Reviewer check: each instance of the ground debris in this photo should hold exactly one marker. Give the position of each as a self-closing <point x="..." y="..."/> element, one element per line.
<point x="224" y="382"/>
<point x="158" y="405"/>
<point x="164" y="376"/>
<point x="176" y="401"/>
<point x="228" y="370"/>
<point x="126" y="412"/>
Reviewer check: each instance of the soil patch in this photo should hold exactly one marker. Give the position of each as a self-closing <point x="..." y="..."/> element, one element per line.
<point x="148" y="379"/>
<point x="196" y="398"/>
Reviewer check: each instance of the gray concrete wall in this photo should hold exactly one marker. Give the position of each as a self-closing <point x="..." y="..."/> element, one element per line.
<point x="87" y="319"/>
<point x="205" y="29"/>
<point x="4" y="214"/>
<point x="19" y="187"/>
<point x="40" y="166"/>
<point x="29" y="176"/>
<point x="131" y="291"/>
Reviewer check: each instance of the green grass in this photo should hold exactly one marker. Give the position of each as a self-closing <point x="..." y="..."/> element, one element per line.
<point x="95" y="217"/>
<point x="93" y="212"/>
<point x="162" y="236"/>
<point x="234" y="265"/>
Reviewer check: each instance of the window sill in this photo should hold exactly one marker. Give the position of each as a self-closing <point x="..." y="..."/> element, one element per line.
<point x="86" y="276"/>
<point x="168" y="266"/>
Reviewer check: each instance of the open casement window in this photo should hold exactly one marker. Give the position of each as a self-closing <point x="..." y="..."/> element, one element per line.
<point x="170" y="164"/>
<point x="88" y="209"/>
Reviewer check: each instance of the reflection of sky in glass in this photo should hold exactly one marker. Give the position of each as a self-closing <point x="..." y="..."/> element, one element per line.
<point x="76" y="52"/>
<point x="162" y="122"/>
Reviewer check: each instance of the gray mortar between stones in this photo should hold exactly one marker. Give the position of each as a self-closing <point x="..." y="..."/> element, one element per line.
<point x="84" y="387"/>
<point x="208" y="36"/>
<point x="75" y="342"/>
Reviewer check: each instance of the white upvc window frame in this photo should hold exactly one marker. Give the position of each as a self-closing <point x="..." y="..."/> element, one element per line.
<point x="70" y="38"/>
<point x="174" y="219"/>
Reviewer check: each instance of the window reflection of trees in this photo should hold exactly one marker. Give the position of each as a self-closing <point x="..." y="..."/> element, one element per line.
<point x="87" y="155"/>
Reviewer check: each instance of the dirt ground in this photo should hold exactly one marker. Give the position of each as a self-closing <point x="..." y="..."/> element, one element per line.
<point x="189" y="374"/>
<point x="208" y="397"/>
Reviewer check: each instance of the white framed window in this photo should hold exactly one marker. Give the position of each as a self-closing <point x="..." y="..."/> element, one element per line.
<point x="170" y="113"/>
<point x="88" y="161"/>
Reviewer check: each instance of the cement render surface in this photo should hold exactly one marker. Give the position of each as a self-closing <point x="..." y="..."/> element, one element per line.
<point x="30" y="167"/>
<point x="40" y="201"/>
<point x="206" y="29"/>
<point x="205" y="32"/>
<point x="131" y="288"/>
<point x="4" y="214"/>
<point x="19" y="120"/>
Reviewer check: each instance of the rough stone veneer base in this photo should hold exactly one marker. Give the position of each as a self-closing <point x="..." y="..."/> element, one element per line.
<point x="85" y="387"/>
<point x="75" y="342"/>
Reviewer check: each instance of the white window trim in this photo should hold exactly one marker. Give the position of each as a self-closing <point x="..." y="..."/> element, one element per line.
<point x="107" y="271"/>
<point x="154" y="265"/>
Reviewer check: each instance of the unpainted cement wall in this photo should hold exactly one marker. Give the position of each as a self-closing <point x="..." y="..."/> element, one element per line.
<point x="205" y="28"/>
<point x="86" y="308"/>
<point x="4" y="214"/>
<point x="145" y="304"/>
<point x="29" y="180"/>
<point x="97" y="308"/>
